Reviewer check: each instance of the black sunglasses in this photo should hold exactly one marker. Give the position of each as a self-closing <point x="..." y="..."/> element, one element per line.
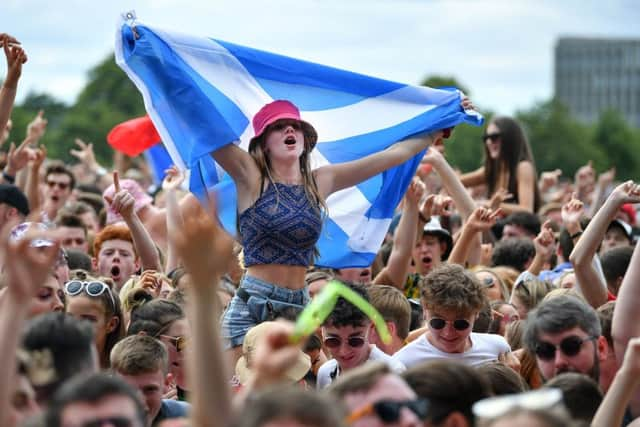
<point x="389" y="410"/>
<point x="491" y="136"/>
<point x="458" y="324"/>
<point x="570" y="346"/>
<point x="335" y="342"/>
<point x="282" y="124"/>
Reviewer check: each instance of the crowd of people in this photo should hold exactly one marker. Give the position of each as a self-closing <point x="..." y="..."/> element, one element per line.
<point x="510" y="296"/>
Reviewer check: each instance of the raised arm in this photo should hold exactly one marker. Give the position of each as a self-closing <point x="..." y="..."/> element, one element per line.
<point x="123" y="203"/>
<point x="585" y="249"/>
<point x="482" y="219"/>
<point x="239" y="165"/>
<point x="205" y="249"/>
<point x="474" y="178"/>
<point x="545" y="244"/>
<point x="26" y="271"/>
<point x="625" y="384"/>
<point x="404" y="239"/>
<point x="33" y="179"/>
<point x="15" y="58"/>
<point x="172" y="181"/>
<point x="336" y="177"/>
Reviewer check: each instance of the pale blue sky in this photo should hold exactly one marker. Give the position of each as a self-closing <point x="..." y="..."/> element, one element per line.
<point x="501" y="50"/>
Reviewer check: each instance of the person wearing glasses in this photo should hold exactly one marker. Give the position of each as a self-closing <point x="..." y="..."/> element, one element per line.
<point x="59" y="183"/>
<point x="375" y="396"/>
<point x="565" y="335"/>
<point x="347" y="335"/>
<point x="92" y="299"/>
<point x="452" y="299"/>
<point x="143" y="362"/>
<point x="509" y="170"/>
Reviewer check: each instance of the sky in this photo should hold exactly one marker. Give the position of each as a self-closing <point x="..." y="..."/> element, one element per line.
<point x="502" y="51"/>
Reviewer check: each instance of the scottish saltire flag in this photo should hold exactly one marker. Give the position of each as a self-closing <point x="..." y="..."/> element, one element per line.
<point x="202" y="93"/>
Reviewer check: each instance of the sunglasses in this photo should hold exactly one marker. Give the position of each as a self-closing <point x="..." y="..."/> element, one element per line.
<point x="388" y="411"/>
<point x="335" y="342"/>
<point x="458" y="324"/>
<point x="93" y="289"/>
<point x="569" y="346"/>
<point x="180" y="343"/>
<point x="544" y="399"/>
<point x="491" y="137"/>
<point x="61" y="185"/>
<point x="110" y="421"/>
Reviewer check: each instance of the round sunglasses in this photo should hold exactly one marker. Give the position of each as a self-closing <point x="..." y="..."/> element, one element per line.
<point x="335" y="342"/>
<point x="93" y="289"/>
<point x="388" y="411"/>
<point x="570" y="346"/>
<point x="458" y="324"/>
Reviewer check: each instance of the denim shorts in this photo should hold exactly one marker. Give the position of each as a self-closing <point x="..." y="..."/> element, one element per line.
<point x="255" y="302"/>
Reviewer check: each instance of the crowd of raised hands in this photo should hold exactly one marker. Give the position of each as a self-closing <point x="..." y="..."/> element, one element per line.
<point x="462" y="267"/>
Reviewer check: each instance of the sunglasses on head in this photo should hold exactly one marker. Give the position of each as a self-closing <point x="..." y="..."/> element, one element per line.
<point x="93" y="289"/>
<point x="388" y="411"/>
<point x="180" y="343"/>
<point x="335" y="342"/>
<point x="110" y="421"/>
<point x="61" y="185"/>
<point x="458" y="324"/>
<point x="491" y="137"/>
<point x="570" y="346"/>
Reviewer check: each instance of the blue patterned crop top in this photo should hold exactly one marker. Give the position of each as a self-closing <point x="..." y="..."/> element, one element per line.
<point x="282" y="227"/>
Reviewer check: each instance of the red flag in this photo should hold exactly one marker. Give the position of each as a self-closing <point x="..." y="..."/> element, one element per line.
<point x="133" y="136"/>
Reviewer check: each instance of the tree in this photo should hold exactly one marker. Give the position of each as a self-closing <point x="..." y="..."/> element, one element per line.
<point x="616" y="138"/>
<point x="436" y="82"/>
<point x="558" y="140"/>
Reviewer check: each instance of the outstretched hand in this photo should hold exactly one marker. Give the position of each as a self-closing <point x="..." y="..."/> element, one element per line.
<point x="482" y="219"/>
<point x="173" y="179"/>
<point x="572" y="211"/>
<point x="15" y="56"/>
<point x="18" y="158"/>
<point x="545" y="241"/>
<point x="204" y="247"/>
<point x="122" y="202"/>
<point x="29" y="265"/>
<point x="37" y="127"/>
<point x="414" y="192"/>
<point x="84" y="153"/>
<point x="627" y="192"/>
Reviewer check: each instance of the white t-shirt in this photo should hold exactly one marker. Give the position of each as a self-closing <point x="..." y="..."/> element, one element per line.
<point x="484" y="348"/>
<point x="329" y="369"/>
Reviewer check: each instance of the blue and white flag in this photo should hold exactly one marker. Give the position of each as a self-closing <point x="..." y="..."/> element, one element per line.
<point x="202" y="93"/>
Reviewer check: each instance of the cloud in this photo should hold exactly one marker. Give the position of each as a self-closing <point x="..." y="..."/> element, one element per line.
<point x="501" y="50"/>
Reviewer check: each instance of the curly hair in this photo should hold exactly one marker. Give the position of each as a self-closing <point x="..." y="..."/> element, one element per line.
<point x="346" y="314"/>
<point x="452" y="288"/>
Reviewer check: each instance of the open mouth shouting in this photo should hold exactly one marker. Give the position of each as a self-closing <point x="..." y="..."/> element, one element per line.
<point x="290" y="140"/>
<point x="115" y="272"/>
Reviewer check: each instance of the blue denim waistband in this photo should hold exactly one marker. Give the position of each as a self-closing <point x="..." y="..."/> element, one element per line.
<point x="256" y="286"/>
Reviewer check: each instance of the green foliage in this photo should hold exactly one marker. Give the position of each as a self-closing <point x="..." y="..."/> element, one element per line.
<point x="444" y="81"/>
<point x="557" y="139"/>
<point x="108" y="98"/>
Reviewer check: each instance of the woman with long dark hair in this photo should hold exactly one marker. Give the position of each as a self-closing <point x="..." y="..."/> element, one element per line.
<point x="509" y="170"/>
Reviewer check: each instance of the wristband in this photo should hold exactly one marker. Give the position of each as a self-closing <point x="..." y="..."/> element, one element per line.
<point x="10" y="179"/>
<point x="575" y="235"/>
<point x="423" y="218"/>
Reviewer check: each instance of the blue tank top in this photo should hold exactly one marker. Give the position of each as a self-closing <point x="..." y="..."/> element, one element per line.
<point x="282" y="227"/>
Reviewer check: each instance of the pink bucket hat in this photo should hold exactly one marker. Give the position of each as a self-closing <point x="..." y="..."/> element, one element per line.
<point x="141" y="197"/>
<point x="278" y="110"/>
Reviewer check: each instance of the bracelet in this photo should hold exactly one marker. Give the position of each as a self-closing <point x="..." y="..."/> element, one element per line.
<point x="423" y="218"/>
<point x="10" y="179"/>
<point x="575" y="235"/>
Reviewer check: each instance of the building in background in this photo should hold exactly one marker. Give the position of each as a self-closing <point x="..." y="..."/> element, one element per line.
<point x="593" y="75"/>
